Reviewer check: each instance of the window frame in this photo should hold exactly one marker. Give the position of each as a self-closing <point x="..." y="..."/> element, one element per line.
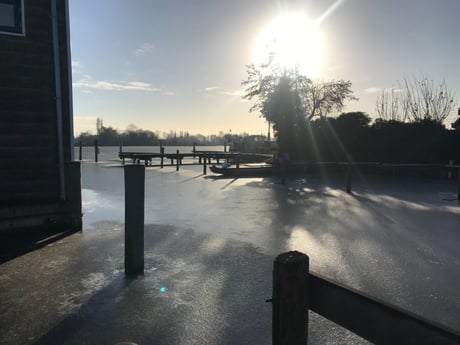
<point x="19" y="18"/>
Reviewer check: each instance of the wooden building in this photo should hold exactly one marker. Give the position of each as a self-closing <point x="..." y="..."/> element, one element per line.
<point x="39" y="182"/>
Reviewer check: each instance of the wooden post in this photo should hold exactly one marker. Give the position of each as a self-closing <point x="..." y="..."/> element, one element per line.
<point x="290" y="299"/>
<point x="177" y="160"/>
<point x="121" y="148"/>
<point x="349" y="173"/>
<point x="225" y="146"/>
<point x="80" y="150"/>
<point x="204" y="164"/>
<point x="162" y="150"/>
<point x="194" y="149"/>
<point x="134" y="219"/>
<point x="96" y="150"/>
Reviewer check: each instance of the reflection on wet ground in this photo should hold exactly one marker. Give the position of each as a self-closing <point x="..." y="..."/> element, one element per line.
<point x="396" y="238"/>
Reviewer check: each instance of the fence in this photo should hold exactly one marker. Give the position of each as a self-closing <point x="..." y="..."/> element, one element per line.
<point x="296" y="290"/>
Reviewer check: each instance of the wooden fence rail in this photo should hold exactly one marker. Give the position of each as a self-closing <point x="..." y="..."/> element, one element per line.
<point x="368" y="317"/>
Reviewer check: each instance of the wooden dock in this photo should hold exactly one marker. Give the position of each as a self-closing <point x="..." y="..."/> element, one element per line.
<point x="178" y="157"/>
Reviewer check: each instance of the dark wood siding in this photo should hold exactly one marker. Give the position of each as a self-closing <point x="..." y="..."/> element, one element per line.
<point x="29" y="162"/>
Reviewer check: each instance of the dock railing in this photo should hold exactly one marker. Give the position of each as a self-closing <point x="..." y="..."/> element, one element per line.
<point x="296" y="290"/>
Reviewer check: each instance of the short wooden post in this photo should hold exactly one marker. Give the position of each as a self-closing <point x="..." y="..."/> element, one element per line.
<point x="225" y="146"/>
<point x="80" y="150"/>
<point x="177" y="160"/>
<point x="194" y="149"/>
<point x="349" y="173"/>
<point x="121" y="148"/>
<point x="96" y="150"/>
<point x="204" y="164"/>
<point x="134" y="219"/>
<point x="162" y="150"/>
<point x="290" y="299"/>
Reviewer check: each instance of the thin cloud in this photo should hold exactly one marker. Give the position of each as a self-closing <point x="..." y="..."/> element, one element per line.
<point x="88" y="83"/>
<point x="222" y="91"/>
<point x="212" y="88"/>
<point x="144" y="49"/>
<point x="373" y="90"/>
<point x="234" y="93"/>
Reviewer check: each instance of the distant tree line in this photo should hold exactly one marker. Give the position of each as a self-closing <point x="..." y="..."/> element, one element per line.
<point x="133" y="136"/>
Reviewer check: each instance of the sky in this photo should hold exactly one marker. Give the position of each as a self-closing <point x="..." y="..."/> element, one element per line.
<point x="177" y="65"/>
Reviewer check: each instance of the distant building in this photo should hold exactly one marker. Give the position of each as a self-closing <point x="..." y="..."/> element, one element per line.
<point x="39" y="183"/>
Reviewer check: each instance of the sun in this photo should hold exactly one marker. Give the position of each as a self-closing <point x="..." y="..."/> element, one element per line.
<point x="295" y="42"/>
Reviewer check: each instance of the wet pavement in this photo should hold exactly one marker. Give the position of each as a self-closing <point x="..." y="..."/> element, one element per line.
<point x="210" y="243"/>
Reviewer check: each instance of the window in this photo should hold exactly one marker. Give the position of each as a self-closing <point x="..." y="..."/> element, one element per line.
<point x="12" y="17"/>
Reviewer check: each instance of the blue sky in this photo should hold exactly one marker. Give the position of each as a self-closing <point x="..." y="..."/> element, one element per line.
<point x="178" y="65"/>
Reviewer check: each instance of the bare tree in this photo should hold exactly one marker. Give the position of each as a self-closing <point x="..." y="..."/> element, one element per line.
<point x="416" y="100"/>
<point x="388" y="106"/>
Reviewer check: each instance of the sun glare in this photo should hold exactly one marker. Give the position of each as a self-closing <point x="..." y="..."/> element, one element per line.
<point x="295" y="42"/>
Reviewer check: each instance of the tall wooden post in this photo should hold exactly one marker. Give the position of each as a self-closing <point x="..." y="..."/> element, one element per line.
<point x="290" y="299"/>
<point x="121" y="148"/>
<point x="96" y="150"/>
<point x="177" y="160"/>
<point x="204" y="164"/>
<point x="162" y="150"/>
<point x="134" y="219"/>
<point x="80" y="150"/>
